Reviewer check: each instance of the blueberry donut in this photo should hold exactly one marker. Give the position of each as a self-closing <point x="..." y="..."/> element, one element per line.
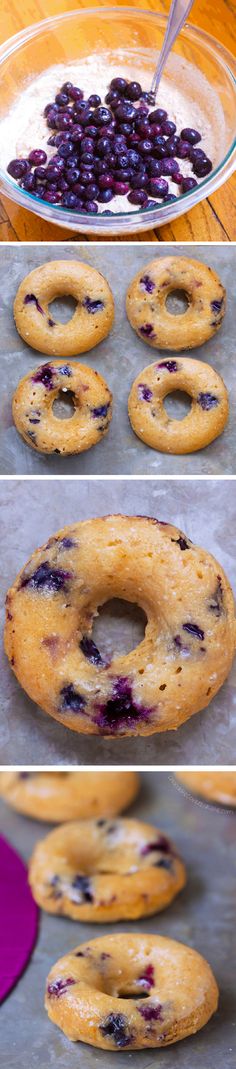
<point x="105" y="871"/>
<point x="215" y="786"/>
<point x="93" y="316"/>
<point x="34" y="416"/>
<point x="59" y="796"/>
<point x="148" y="313"/>
<point x="189" y="642"/>
<point x="129" y="991"/>
<point x="205" y="420"/>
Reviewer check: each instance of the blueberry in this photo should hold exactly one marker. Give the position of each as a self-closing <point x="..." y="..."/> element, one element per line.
<point x="93" y="306"/>
<point x="158" y="187"/>
<point x="162" y="844"/>
<point x="139" y="181"/>
<point x="105" y="195"/>
<point x="138" y="196"/>
<point x="181" y="542"/>
<point x="145" y="147"/>
<point x="216" y="306"/>
<point x="159" y="116"/>
<point x="66" y="543"/>
<point x="83" y="885"/>
<point x="216" y="604"/>
<point x="121" y="188"/>
<point x="188" y="184"/>
<point x="133" y="91"/>
<point x="28" y="182"/>
<point x="58" y="987"/>
<point x="37" y="157"/>
<point x="192" y="136"/>
<point x="119" y="84"/>
<point x="91" y="207"/>
<point x="194" y="630"/>
<point x="202" y="167"/>
<point x="207" y="401"/>
<point x="90" y="650"/>
<point x="94" y="100"/>
<point x="120" y="708"/>
<point x="47" y="578"/>
<point x="31" y="299"/>
<point x="147" y="978"/>
<point x="144" y="392"/>
<point x="150" y="1013"/>
<point x="72" y="701"/>
<point x="100" y="412"/>
<point x="116" y="1027"/>
<point x="170" y="365"/>
<point x="125" y="112"/>
<point x="102" y="117"/>
<point x="147" y="330"/>
<point x="18" y="168"/>
<point x="147" y="283"/>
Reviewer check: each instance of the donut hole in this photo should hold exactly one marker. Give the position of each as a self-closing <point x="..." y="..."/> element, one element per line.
<point x="62" y="309"/>
<point x="177" y="404"/>
<point x="119" y="627"/>
<point x="177" y="302"/>
<point x="133" y="992"/>
<point x="64" y="405"/>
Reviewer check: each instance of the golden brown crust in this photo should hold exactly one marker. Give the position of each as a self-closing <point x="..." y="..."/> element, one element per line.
<point x="202" y="424"/>
<point x="33" y="413"/>
<point x="60" y="796"/>
<point x="63" y="278"/>
<point x="215" y="786"/>
<point x="146" y="303"/>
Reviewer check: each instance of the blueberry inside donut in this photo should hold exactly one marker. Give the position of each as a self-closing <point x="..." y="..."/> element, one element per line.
<point x="148" y="313"/>
<point x="189" y="641"/>
<point x="203" y="423"/>
<point x="131" y="991"/>
<point x="105" y="871"/>
<point x="93" y="316"/>
<point x="38" y="423"/>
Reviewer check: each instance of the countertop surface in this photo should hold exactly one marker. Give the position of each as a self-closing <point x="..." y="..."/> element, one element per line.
<point x="214" y="219"/>
<point x="202" y="916"/>
<point x="119" y="358"/>
<point x="33" y="510"/>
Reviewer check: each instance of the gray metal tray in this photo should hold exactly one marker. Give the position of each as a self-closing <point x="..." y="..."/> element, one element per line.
<point x="119" y="358"/>
<point x="31" y="511"/>
<point x="203" y="916"/>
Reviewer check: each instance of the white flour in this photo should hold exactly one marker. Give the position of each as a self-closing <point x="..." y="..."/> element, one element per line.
<point x="187" y="102"/>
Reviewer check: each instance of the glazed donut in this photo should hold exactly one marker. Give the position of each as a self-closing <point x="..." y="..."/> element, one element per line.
<point x="189" y="642"/>
<point x="93" y="992"/>
<point x="146" y="303"/>
<point x="105" y="871"/>
<point x="57" y="796"/>
<point x="215" y="786"/>
<point x="205" y="420"/>
<point x="33" y="414"/>
<point x="93" y="316"/>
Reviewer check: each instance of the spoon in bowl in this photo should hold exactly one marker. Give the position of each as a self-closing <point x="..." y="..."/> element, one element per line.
<point x="179" y="12"/>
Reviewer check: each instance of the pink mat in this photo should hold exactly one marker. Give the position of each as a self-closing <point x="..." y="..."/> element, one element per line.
<point x="18" y="918"/>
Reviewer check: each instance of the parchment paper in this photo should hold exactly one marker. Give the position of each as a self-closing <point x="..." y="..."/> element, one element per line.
<point x="119" y="358"/>
<point x="31" y="511"/>
<point x="203" y="916"/>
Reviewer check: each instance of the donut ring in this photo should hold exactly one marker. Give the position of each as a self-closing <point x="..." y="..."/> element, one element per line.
<point x="205" y="420"/>
<point x="100" y="871"/>
<point x="92" y="319"/>
<point x="59" y="796"/>
<point x="215" y="786"/>
<point x="93" y="992"/>
<point x="33" y="414"/>
<point x="189" y="642"/>
<point x="146" y="303"/>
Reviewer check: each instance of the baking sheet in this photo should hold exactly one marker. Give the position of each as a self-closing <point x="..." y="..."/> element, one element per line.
<point x="119" y="358"/>
<point x="33" y="510"/>
<point x="203" y="916"/>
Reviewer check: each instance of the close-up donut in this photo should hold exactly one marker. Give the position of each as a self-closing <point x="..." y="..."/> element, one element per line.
<point x="60" y="796"/>
<point x="147" y="297"/>
<point x="33" y="411"/>
<point x="103" y="871"/>
<point x="189" y="641"/>
<point x="94" y="992"/>
<point x="92" y="319"/>
<point x="202" y="424"/>
<point x="215" y="786"/>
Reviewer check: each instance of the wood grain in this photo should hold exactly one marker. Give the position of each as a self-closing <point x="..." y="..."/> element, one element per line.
<point x="212" y="220"/>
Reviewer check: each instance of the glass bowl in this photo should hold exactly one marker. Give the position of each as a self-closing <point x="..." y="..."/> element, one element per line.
<point x="132" y="38"/>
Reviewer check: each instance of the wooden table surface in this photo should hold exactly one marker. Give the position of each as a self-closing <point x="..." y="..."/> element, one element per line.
<point x="212" y="220"/>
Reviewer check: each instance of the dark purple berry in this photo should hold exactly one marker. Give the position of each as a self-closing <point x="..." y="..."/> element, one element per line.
<point x="18" y="168"/>
<point x="138" y="196"/>
<point x="158" y="187"/>
<point x="192" y="136"/>
<point x="94" y="100"/>
<point x="144" y="392"/>
<point x="202" y="167"/>
<point x="194" y="630"/>
<point x="105" y="195"/>
<point x="91" y="651"/>
<point x="133" y="91"/>
<point x="116" y="1027"/>
<point x="147" y="283"/>
<point x="71" y="699"/>
<point x="207" y="401"/>
<point x="119" y="84"/>
<point x="188" y="184"/>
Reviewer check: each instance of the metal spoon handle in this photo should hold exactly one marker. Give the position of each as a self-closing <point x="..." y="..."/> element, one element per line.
<point x="178" y="14"/>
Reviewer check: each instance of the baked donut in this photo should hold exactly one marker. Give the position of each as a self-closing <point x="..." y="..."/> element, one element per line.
<point x="205" y="420"/>
<point x="57" y="796"/>
<point x="94" y="992"/>
<point x="33" y="413"/>
<point x="93" y="316"/>
<point x="215" y="786"/>
<point x="103" y="871"/>
<point x="189" y="642"/>
<point x="146" y="303"/>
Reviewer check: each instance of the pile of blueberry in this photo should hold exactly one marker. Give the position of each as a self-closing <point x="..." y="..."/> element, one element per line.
<point x="121" y="148"/>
